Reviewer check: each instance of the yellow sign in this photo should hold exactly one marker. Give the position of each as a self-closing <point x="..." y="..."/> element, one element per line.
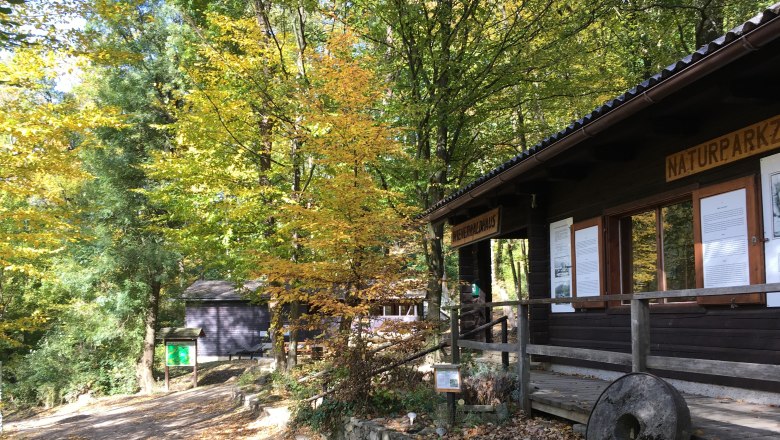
<point x="479" y="227"/>
<point x="749" y="141"/>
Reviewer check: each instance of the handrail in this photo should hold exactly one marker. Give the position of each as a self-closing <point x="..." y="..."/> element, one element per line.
<point x="685" y="293"/>
<point x="639" y="359"/>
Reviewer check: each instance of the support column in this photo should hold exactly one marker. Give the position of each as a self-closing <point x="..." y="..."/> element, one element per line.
<point x="539" y="271"/>
<point x="485" y="277"/>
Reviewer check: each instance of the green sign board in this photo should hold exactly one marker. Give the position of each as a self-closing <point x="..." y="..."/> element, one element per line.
<point x="180" y="354"/>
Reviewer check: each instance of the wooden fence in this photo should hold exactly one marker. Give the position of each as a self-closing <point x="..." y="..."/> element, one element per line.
<point x="639" y="359"/>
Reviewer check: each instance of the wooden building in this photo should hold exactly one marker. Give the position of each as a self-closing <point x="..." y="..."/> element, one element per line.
<point x="673" y="185"/>
<point x="230" y="322"/>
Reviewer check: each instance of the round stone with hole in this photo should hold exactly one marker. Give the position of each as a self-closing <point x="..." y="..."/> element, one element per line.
<point x="639" y="406"/>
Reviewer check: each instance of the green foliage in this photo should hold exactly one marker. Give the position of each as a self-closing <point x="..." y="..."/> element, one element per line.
<point x="84" y="352"/>
<point x="327" y="418"/>
<point x="288" y="383"/>
<point x="421" y="399"/>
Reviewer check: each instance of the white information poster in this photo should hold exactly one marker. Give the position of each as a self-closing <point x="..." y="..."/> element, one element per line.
<point x="560" y="263"/>
<point x="447" y="378"/>
<point x="770" y="191"/>
<point x="587" y="263"/>
<point x="724" y="237"/>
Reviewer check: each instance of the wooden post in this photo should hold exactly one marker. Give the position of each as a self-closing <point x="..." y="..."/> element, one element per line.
<point x="455" y="358"/>
<point x="504" y="340"/>
<point x="640" y="334"/>
<point x="195" y="370"/>
<point x="167" y="378"/>
<point x="523" y="359"/>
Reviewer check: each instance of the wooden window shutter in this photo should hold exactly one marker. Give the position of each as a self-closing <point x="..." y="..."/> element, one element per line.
<point x="585" y="227"/>
<point x="754" y="234"/>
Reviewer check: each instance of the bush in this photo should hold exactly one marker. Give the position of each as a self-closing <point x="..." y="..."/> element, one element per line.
<point x="84" y="353"/>
<point x="327" y="418"/>
<point x="489" y="385"/>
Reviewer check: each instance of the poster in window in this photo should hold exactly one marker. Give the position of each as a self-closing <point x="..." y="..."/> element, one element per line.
<point x="588" y="267"/>
<point x="724" y="235"/>
<point x="560" y="263"/>
<point x="770" y="192"/>
<point x="774" y="201"/>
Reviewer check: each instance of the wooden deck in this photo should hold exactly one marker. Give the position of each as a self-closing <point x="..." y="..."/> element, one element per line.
<point x="573" y="397"/>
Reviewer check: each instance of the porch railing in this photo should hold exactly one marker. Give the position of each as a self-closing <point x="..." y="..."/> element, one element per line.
<point x="640" y="358"/>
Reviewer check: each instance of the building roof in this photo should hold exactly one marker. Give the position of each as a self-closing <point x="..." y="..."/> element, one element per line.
<point x="180" y="333"/>
<point x="745" y="38"/>
<point x="219" y="290"/>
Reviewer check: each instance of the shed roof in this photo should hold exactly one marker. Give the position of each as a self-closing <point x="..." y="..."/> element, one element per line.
<point x="180" y="333"/>
<point x="745" y="38"/>
<point x="219" y="290"/>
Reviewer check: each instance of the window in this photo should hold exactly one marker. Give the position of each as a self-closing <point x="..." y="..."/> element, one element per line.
<point x="657" y="249"/>
<point x="666" y="242"/>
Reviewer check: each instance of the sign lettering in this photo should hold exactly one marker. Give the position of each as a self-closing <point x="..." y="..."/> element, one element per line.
<point x="479" y="227"/>
<point x="755" y="139"/>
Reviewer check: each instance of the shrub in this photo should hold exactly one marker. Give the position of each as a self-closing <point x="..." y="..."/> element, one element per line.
<point x="326" y="418"/>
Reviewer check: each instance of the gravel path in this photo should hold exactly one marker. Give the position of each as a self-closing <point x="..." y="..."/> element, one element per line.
<point x="206" y="412"/>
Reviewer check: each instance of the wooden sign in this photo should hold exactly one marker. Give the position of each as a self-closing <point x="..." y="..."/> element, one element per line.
<point x="476" y="229"/>
<point x="446" y="378"/>
<point x="749" y="141"/>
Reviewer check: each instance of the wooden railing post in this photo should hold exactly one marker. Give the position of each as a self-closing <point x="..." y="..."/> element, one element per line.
<point x="454" y="358"/>
<point x="640" y="334"/>
<point x="505" y="340"/>
<point x="523" y="359"/>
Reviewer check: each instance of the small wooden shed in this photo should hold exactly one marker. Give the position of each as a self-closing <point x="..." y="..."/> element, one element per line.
<point x="231" y="323"/>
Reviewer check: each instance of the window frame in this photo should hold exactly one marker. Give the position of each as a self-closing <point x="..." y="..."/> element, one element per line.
<point x="613" y="217"/>
<point x="585" y="224"/>
<point x="620" y="276"/>
<point x="754" y="221"/>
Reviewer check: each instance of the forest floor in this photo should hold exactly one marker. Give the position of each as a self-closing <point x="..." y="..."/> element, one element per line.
<point x="206" y="412"/>
<point x="210" y="412"/>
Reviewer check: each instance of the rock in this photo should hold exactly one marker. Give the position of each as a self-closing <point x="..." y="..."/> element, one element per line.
<point x="580" y="428"/>
<point x="414" y="428"/>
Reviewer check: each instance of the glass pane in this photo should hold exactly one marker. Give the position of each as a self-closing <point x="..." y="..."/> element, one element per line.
<point x="679" y="261"/>
<point x="644" y="252"/>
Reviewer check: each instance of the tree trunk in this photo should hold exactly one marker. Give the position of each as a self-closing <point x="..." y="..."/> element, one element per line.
<point x="145" y="367"/>
<point x="435" y="261"/>
<point x="276" y="331"/>
<point x="524" y="263"/>
<point x="515" y="275"/>
<point x="292" y="351"/>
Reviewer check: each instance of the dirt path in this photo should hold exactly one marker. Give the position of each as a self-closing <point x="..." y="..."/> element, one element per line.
<point x="206" y="412"/>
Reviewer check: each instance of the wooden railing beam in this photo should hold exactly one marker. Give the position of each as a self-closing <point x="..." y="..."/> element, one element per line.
<point x="640" y="334"/>
<point x="523" y="359"/>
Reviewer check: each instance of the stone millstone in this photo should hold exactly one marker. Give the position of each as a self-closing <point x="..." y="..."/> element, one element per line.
<point x="639" y="406"/>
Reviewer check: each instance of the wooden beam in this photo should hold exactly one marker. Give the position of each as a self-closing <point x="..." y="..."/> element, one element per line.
<point x="743" y="370"/>
<point x="455" y="359"/>
<point x="640" y="334"/>
<point x="523" y="359"/>
<point x="560" y="412"/>
<point x="505" y="340"/>
<point x="685" y="293"/>
<point x="608" y="357"/>
<point x="487" y="346"/>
